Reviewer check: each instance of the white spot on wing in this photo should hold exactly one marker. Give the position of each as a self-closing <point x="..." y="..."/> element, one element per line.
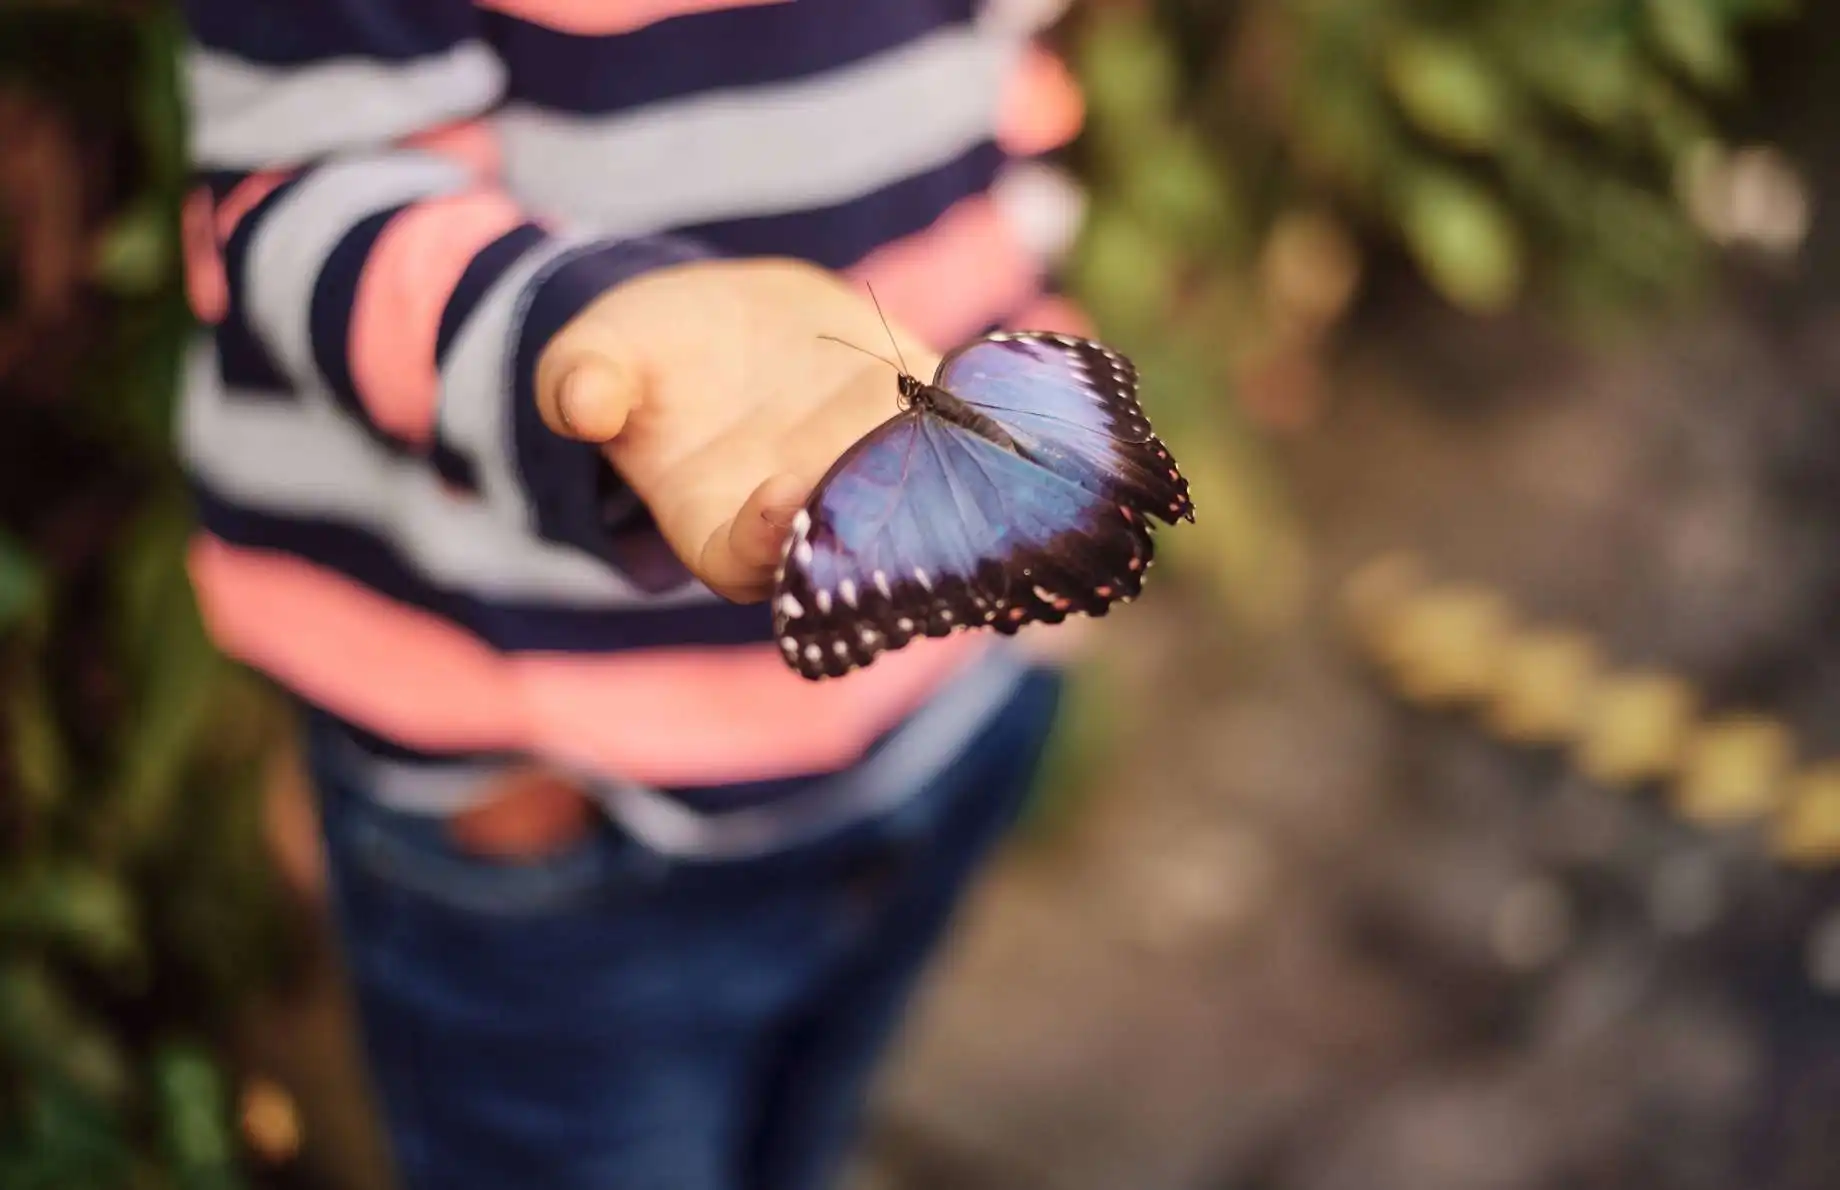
<point x="824" y="603"/>
<point x="803" y="551"/>
<point x="847" y="589"/>
<point x="790" y="606"/>
<point x="801" y="523"/>
<point x="813" y="652"/>
<point x="920" y="577"/>
<point x="881" y="584"/>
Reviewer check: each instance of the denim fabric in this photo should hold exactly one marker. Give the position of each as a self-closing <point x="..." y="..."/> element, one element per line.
<point x="606" y="1018"/>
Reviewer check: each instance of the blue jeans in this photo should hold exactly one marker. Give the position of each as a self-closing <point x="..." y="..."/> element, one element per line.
<point x="605" y="1018"/>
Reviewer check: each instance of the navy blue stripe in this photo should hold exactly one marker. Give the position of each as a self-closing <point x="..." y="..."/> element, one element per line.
<point x="220" y="182"/>
<point x="508" y="626"/>
<point x="243" y="361"/>
<point x="565" y="478"/>
<point x="839" y="236"/>
<point x="387" y="749"/>
<point x="454" y="467"/>
<point x="711" y="799"/>
<point x="486" y="267"/>
<point x="738" y="47"/>
<point x="289" y="32"/>
<point x="329" y="313"/>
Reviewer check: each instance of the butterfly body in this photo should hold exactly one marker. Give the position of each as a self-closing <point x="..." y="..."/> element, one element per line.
<point x="1017" y="487"/>
<point x="918" y="396"/>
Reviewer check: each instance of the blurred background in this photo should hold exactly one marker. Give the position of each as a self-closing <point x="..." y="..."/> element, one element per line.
<point x="1461" y="811"/>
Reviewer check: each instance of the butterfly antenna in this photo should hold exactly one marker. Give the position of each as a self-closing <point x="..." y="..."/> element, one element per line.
<point x="891" y="339"/>
<point x="865" y="351"/>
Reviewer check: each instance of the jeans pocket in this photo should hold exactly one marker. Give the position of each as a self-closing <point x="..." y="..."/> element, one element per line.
<point x="414" y="854"/>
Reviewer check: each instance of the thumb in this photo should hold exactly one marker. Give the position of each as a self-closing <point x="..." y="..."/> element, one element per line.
<point x="586" y="395"/>
<point x="740" y="556"/>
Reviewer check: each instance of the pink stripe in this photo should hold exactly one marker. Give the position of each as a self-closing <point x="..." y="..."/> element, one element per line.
<point x="396" y="314"/>
<point x="243" y="199"/>
<point x="470" y="143"/>
<point x="662" y="717"/>
<point x="1055" y="314"/>
<point x="966" y="271"/>
<point x="596" y="18"/>
<point x="1042" y="108"/>
<point x="206" y="287"/>
<point x="409" y="676"/>
<point x="712" y="716"/>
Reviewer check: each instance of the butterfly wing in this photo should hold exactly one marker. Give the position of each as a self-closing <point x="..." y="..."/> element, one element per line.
<point x="925" y="528"/>
<point x="1072" y="406"/>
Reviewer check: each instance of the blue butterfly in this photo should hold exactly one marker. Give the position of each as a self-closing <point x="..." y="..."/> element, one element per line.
<point x="1018" y="486"/>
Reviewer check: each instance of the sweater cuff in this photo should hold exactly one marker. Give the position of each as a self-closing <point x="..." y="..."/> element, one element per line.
<point x="572" y="490"/>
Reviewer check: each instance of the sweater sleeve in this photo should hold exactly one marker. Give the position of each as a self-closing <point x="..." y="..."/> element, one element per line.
<point x="348" y="236"/>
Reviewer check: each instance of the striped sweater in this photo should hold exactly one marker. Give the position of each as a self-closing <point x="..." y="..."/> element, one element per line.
<point x="400" y="201"/>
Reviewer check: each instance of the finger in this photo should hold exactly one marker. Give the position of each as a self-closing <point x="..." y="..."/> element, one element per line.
<point x="741" y="556"/>
<point x="586" y="395"/>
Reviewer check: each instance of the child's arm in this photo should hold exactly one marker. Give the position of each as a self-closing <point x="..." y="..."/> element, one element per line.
<point x="361" y="248"/>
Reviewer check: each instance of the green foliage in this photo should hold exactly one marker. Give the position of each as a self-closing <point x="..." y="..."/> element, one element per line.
<point x="134" y="916"/>
<point x="1243" y="158"/>
<point x="1501" y="143"/>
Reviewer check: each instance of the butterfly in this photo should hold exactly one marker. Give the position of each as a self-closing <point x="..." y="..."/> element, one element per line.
<point x="1018" y="487"/>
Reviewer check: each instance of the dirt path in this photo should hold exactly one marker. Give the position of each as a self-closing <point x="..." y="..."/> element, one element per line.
<point x="1308" y="939"/>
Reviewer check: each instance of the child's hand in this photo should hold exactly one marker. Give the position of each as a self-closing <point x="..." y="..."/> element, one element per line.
<point x="719" y="403"/>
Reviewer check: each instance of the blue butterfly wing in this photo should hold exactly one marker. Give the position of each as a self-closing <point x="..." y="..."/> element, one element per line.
<point x="925" y="528"/>
<point x="1071" y="404"/>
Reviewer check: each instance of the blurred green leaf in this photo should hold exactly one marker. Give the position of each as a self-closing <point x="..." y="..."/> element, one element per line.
<point x="159" y="112"/>
<point x="1590" y="75"/>
<point x="1178" y="190"/>
<point x="194" y="1110"/>
<point x="1243" y="545"/>
<point x="1126" y="268"/>
<point x="136" y="253"/>
<point x="42" y="1030"/>
<point x="1344" y="134"/>
<point x="1463" y="238"/>
<point x="40" y="759"/>
<point x="1692" y="35"/>
<point x="82" y="909"/>
<point x="1446" y="87"/>
<point x="180" y="676"/>
<point x="21" y="583"/>
<point x="1084" y="740"/>
<point x="1128" y="73"/>
<point x="65" y="1140"/>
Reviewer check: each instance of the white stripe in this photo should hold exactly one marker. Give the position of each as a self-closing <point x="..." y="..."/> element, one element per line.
<point x="1044" y="204"/>
<point x="245" y="115"/>
<point x="304" y="457"/>
<point x="923" y="748"/>
<point x="292" y="244"/>
<point x="1024" y="18"/>
<point x="475" y="412"/>
<point x="766" y="150"/>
